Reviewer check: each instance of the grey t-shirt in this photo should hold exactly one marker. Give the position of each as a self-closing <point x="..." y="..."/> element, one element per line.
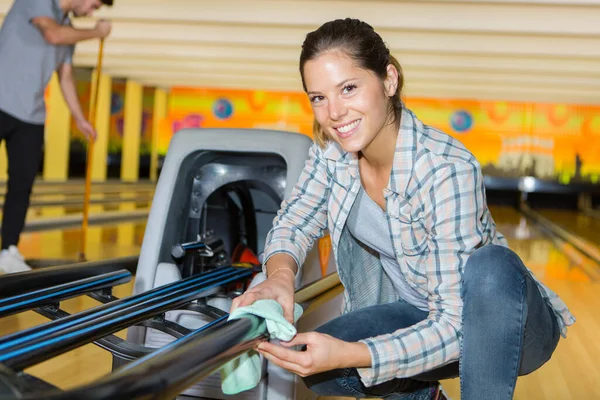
<point x="27" y="61"/>
<point x="368" y="223"/>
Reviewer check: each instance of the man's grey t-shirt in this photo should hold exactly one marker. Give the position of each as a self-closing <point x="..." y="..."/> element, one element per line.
<point x="27" y="61"/>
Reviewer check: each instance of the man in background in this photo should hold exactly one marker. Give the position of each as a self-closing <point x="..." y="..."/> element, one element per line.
<point x="36" y="39"/>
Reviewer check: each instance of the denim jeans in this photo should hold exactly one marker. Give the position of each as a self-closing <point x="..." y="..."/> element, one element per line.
<point x="508" y="330"/>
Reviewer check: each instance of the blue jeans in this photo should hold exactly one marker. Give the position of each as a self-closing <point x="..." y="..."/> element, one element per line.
<point x="508" y="330"/>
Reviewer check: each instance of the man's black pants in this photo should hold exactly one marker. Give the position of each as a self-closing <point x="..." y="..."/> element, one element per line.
<point x="24" y="146"/>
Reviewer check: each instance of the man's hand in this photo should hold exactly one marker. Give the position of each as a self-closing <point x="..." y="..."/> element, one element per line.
<point x="57" y="34"/>
<point x="103" y="27"/>
<point x="323" y="353"/>
<point x="87" y="129"/>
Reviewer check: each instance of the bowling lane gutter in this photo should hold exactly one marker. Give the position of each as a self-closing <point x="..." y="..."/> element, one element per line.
<point x="79" y="202"/>
<point x="559" y="234"/>
<point x="81" y="191"/>
<point x="73" y="220"/>
<point x="80" y="182"/>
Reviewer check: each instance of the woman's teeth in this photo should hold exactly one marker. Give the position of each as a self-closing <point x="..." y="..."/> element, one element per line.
<point x="349" y="127"/>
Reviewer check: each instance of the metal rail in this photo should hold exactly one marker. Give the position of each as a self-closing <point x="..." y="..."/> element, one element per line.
<point x="23" y="282"/>
<point x="37" y="298"/>
<point x="170" y="370"/>
<point x="29" y="347"/>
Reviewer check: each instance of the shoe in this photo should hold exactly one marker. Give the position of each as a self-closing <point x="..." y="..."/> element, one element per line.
<point x="11" y="261"/>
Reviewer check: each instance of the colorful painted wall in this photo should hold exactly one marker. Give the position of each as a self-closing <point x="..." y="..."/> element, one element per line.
<point x="212" y="108"/>
<point x="115" y="140"/>
<point x="550" y="141"/>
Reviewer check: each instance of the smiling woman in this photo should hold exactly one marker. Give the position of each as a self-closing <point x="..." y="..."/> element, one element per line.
<point x="378" y="76"/>
<point x="428" y="279"/>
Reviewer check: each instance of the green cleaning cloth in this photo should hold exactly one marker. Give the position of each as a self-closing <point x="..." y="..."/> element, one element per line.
<point x="244" y="372"/>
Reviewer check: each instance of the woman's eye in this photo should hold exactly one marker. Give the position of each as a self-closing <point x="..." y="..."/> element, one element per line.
<point x="315" y="99"/>
<point x="349" y="88"/>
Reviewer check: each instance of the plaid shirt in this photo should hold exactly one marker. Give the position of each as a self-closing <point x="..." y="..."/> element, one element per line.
<point x="437" y="213"/>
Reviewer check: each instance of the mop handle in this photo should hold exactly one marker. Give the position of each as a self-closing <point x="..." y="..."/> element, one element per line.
<point x="90" y="153"/>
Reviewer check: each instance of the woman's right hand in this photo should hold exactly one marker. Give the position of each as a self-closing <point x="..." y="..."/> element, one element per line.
<point x="279" y="286"/>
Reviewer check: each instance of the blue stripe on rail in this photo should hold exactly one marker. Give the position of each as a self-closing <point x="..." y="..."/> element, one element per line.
<point x="49" y="342"/>
<point x="16" y="342"/>
<point x="75" y="288"/>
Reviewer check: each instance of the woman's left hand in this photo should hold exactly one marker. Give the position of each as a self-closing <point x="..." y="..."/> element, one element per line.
<point x="323" y="353"/>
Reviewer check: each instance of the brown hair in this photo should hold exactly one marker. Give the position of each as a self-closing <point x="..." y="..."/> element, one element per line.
<point x="359" y="41"/>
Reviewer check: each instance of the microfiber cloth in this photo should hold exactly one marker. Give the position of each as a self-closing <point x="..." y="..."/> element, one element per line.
<point x="244" y="372"/>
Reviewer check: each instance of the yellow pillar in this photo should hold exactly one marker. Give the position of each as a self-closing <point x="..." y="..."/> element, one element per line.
<point x="57" y="134"/>
<point x="102" y="128"/>
<point x="3" y="162"/>
<point x="160" y="112"/>
<point x="132" y="132"/>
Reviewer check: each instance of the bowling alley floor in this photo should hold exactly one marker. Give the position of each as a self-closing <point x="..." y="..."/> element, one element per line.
<point x="48" y="236"/>
<point x="572" y="373"/>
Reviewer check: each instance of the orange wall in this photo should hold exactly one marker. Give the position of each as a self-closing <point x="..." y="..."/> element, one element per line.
<point x="550" y="141"/>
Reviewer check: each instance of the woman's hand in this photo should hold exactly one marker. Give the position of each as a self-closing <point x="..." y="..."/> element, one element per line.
<point x="323" y="353"/>
<point x="279" y="287"/>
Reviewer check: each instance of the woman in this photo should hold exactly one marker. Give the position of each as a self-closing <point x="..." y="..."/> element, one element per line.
<point x="428" y="279"/>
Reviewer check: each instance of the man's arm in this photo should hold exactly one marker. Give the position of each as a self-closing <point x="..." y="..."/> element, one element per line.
<point x="67" y="85"/>
<point x="57" y="34"/>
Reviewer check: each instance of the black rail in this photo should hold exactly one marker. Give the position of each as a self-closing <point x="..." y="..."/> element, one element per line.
<point x="23" y="282"/>
<point x="168" y="371"/>
<point x="28" y="301"/>
<point x="27" y="348"/>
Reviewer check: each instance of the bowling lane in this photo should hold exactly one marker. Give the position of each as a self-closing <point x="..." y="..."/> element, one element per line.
<point x="572" y="371"/>
<point x="57" y="217"/>
<point x="580" y="224"/>
<point x="102" y="242"/>
<point x="78" y="186"/>
<point x="540" y="253"/>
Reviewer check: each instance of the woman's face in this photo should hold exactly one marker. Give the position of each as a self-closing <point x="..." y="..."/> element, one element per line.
<point x="350" y="103"/>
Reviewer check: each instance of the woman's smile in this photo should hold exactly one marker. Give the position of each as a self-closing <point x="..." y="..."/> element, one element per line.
<point x="346" y="130"/>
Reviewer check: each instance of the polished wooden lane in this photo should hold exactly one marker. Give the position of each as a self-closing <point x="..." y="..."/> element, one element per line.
<point x="583" y="225"/>
<point x="103" y="242"/>
<point x="570" y="374"/>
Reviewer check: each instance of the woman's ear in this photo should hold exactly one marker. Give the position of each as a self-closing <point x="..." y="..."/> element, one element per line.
<point x="391" y="81"/>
